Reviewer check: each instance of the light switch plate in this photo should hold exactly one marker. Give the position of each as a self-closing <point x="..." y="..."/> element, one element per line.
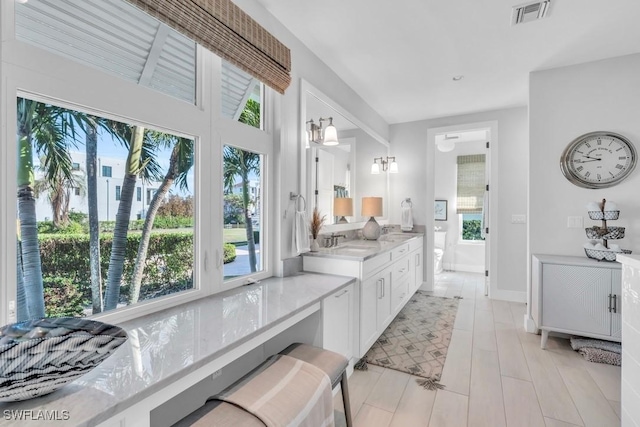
<point x="574" y="222"/>
<point x="518" y="219"/>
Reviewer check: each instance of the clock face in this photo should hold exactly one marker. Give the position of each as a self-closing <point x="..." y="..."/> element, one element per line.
<point x="598" y="160"/>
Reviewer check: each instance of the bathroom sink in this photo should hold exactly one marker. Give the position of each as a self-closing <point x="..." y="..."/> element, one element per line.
<point x="395" y="237"/>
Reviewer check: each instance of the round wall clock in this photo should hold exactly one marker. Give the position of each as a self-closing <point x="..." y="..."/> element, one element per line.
<point x="598" y="160"/>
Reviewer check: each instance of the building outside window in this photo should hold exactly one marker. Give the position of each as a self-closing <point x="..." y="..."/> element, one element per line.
<point x="118" y="190"/>
<point x="106" y="171"/>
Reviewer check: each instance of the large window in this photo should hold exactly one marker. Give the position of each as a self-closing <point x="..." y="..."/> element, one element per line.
<point x="82" y="262"/>
<point x="242" y="180"/>
<point x="471" y="185"/>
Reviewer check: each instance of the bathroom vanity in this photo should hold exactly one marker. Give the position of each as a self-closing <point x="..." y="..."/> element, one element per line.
<point x="388" y="271"/>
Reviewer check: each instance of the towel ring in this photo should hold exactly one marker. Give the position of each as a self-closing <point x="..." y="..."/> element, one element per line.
<point x="406" y="202"/>
<point x="297" y="198"/>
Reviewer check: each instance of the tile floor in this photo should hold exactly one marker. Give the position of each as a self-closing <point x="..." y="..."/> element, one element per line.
<point x="495" y="375"/>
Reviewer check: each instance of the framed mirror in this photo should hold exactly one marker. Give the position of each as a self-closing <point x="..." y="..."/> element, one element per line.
<point x="342" y="170"/>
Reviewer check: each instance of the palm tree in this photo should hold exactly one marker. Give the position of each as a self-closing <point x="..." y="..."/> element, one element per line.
<point x="121" y="228"/>
<point x="58" y="192"/>
<point x="91" y="147"/>
<point x="240" y="163"/>
<point x="180" y="163"/>
<point x="50" y="128"/>
<point x="141" y="162"/>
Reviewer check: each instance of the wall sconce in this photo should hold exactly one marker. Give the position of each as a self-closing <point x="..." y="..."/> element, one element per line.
<point x="388" y="163"/>
<point x="327" y="137"/>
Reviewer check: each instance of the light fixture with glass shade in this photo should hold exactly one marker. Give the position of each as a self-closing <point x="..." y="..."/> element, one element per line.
<point x="343" y="207"/>
<point x="371" y="207"/>
<point x="389" y="164"/>
<point x="327" y="136"/>
<point x="448" y="143"/>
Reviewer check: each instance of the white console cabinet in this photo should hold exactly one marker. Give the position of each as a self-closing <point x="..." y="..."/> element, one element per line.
<point x="337" y="322"/>
<point x="576" y="295"/>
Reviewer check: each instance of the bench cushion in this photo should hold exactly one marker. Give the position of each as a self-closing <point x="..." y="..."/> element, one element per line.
<point x="333" y="364"/>
<point x="218" y="413"/>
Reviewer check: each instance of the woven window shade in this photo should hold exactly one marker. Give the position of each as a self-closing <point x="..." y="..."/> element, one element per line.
<point x="471" y="184"/>
<point x="223" y="28"/>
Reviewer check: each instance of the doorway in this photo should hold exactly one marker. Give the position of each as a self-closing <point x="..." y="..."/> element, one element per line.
<point x="461" y="239"/>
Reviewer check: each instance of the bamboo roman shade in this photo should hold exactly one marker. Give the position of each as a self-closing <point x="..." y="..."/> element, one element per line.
<point x="471" y="184"/>
<point x="223" y="28"/>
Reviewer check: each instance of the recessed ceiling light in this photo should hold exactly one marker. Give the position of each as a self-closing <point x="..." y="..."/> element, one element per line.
<point x="458" y="78"/>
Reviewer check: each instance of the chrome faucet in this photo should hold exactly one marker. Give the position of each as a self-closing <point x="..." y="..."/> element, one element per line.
<point x="332" y="241"/>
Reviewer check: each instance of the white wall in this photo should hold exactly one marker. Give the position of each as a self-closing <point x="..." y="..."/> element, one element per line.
<point x="459" y="255"/>
<point x="564" y="104"/>
<point x="289" y="132"/>
<point x="409" y="144"/>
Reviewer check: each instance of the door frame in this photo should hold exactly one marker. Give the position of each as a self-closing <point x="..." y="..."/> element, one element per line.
<point x="491" y="288"/>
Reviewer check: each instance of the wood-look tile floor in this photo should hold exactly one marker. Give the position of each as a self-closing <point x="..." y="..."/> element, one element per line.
<point x="495" y="375"/>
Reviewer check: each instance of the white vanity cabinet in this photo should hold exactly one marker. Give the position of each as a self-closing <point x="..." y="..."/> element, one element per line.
<point x="386" y="280"/>
<point x="576" y="295"/>
<point x="337" y="322"/>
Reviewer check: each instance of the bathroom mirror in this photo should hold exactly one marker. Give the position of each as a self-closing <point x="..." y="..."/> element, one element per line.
<point x="343" y="170"/>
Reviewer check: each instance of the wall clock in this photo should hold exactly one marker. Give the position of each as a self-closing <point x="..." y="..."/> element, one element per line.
<point x="598" y="160"/>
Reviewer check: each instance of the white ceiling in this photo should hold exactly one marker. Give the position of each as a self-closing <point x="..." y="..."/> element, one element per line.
<point x="401" y="56"/>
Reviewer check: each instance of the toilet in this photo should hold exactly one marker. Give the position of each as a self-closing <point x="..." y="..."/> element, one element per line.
<point x="439" y="243"/>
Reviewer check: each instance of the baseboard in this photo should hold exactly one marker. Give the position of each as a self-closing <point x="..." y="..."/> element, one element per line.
<point x="530" y="325"/>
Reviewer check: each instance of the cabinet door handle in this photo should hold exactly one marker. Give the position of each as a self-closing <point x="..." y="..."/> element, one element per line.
<point x="615" y="303"/>
<point x="341" y="293"/>
<point x="417" y="260"/>
<point x="381" y="288"/>
<point x="609" y="303"/>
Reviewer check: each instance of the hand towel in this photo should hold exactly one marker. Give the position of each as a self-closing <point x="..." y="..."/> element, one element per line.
<point x="301" y="242"/>
<point x="407" y="219"/>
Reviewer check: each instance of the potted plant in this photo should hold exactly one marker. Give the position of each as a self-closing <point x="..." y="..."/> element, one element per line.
<point x="315" y="225"/>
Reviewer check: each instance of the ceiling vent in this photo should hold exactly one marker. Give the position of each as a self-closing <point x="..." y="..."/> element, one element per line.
<point x="528" y="12"/>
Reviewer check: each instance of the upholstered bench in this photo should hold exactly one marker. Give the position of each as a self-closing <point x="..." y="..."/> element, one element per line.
<point x="333" y="364"/>
<point x="220" y="413"/>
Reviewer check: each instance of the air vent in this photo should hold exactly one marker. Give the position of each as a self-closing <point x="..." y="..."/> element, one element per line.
<point x="528" y="12"/>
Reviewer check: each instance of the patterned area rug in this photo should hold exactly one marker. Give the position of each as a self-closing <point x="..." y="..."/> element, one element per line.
<point x="416" y="341"/>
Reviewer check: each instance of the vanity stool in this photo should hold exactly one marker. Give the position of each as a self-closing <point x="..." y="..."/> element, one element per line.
<point x="222" y="414"/>
<point x="334" y="364"/>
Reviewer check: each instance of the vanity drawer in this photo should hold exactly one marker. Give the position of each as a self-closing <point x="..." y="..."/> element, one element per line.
<point x="399" y="293"/>
<point x="374" y="264"/>
<point x="400" y="270"/>
<point x="400" y="251"/>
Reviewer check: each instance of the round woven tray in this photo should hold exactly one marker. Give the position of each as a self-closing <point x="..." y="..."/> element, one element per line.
<point x="606" y="215"/>
<point x="609" y="233"/>
<point x="604" y="255"/>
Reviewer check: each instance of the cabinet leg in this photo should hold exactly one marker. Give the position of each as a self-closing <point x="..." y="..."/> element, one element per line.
<point x="543" y="340"/>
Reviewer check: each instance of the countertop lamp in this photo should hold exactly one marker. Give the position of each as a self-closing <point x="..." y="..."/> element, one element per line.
<point x="371" y="207"/>
<point x="342" y="207"/>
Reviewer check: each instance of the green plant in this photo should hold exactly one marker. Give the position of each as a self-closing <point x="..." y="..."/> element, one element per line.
<point x="229" y="253"/>
<point x="472" y="229"/>
<point x="62" y="298"/>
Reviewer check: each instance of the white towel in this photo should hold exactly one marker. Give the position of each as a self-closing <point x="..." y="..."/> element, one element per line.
<point x="301" y="242"/>
<point x="407" y="219"/>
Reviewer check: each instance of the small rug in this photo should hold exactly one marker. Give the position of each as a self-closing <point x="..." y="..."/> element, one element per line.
<point x="598" y="351"/>
<point x="417" y="340"/>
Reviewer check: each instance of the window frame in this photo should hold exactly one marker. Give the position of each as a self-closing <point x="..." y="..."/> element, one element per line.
<point x="72" y="85"/>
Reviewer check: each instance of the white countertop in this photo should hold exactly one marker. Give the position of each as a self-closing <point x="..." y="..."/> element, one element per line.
<point x="165" y="346"/>
<point x="630" y="260"/>
<point x="361" y="250"/>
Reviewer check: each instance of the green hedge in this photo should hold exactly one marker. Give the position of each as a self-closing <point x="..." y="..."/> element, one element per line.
<point x="169" y="264"/>
<point x="82" y="227"/>
<point x="229" y="253"/>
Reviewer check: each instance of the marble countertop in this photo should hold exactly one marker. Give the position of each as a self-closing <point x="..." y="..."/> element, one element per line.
<point x="170" y="344"/>
<point x="361" y="250"/>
